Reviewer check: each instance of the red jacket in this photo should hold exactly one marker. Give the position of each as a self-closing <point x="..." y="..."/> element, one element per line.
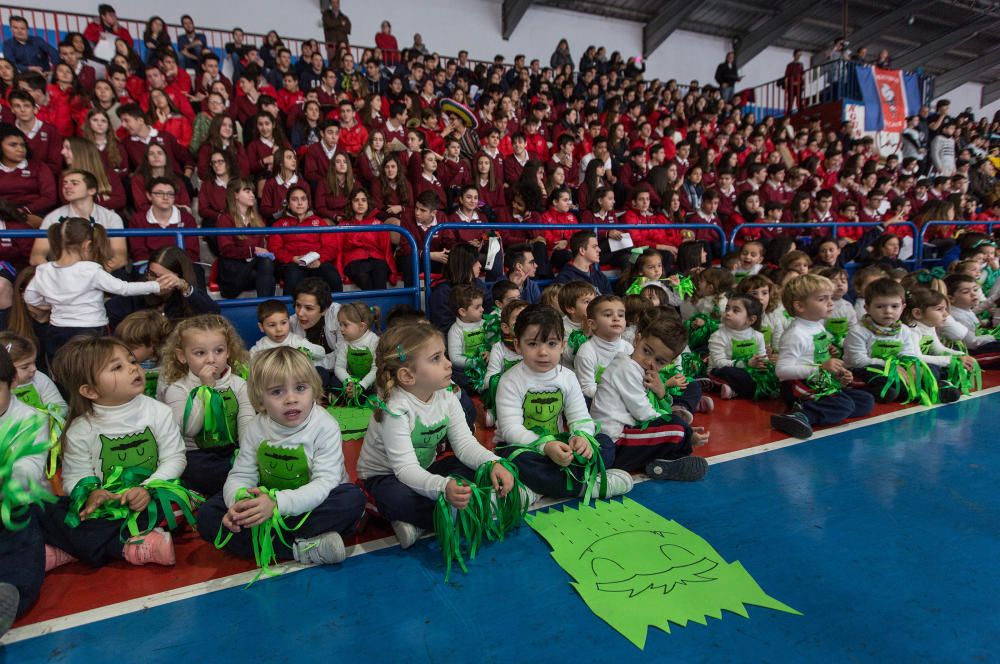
<point x="552" y="217"/>
<point x="287" y="247"/>
<point x="234" y="246"/>
<point x="352" y="139"/>
<point x="177" y="126"/>
<point x="94" y="31"/>
<point x="315" y="163"/>
<point x="365" y="245"/>
<point x="328" y="205"/>
<point x="272" y="199"/>
<point x="652" y="236"/>
<point x="212" y="202"/>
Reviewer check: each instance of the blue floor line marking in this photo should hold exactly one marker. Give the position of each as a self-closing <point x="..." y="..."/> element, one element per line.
<point x="885" y="537"/>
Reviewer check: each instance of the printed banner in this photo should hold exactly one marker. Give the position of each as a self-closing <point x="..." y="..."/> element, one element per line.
<point x="890" y="91"/>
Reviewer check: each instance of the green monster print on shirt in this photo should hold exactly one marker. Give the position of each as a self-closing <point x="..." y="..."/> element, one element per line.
<point x="207" y="439"/>
<point x="927" y="344"/>
<point x="838" y="326"/>
<point x="883" y="349"/>
<point x="359" y="362"/>
<point x="28" y="395"/>
<point x="744" y="349"/>
<point x="821" y="347"/>
<point x="131" y="450"/>
<point x="152" y="379"/>
<point x="473" y="342"/>
<point x="426" y="438"/>
<point x="507" y="364"/>
<point x="542" y="410"/>
<point x="282" y="468"/>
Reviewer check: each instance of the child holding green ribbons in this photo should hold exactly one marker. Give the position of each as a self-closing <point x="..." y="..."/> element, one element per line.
<point x="738" y="361"/>
<point x="288" y="494"/>
<point x="574" y="298"/>
<point x="122" y="457"/>
<point x="773" y="321"/>
<point x="843" y="318"/>
<point x="354" y="366"/>
<point x="403" y="463"/>
<point x="209" y="401"/>
<point x="543" y="426"/>
<point x="502" y="357"/>
<point x="467" y="337"/>
<point x="926" y="312"/>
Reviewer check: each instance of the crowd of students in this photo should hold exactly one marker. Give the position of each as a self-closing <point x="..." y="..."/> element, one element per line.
<point x="585" y="382"/>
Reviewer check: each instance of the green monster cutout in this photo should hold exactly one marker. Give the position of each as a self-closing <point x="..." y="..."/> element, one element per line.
<point x="838" y="326"/>
<point x="353" y="422"/>
<point x="635" y="569"/>
<point x="768" y="335"/>
<point x="744" y="349"/>
<point x="507" y="364"/>
<point x="599" y="374"/>
<point x="926" y="344"/>
<point x="883" y="349"/>
<point x="473" y="342"/>
<point x="542" y="410"/>
<point x="132" y="450"/>
<point x="152" y="378"/>
<point x="359" y="362"/>
<point x="28" y="394"/>
<point x="426" y="438"/>
<point x="821" y="347"/>
<point x="282" y="468"/>
<point x="205" y="439"/>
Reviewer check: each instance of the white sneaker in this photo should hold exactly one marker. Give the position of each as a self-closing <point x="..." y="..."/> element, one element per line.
<point x="682" y="413"/>
<point x="488" y="419"/>
<point x="325" y="549"/>
<point x="727" y="392"/>
<point x="406" y="533"/>
<point x="620" y="482"/>
<point x="532" y="496"/>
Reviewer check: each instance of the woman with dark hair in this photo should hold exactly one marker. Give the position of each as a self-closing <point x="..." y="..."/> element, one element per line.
<point x="593" y="180"/>
<point x="156" y="162"/>
<point x="222" y="137"/>
<point x="463" y="267"/>
<point x="291" y="252"/>
<point x="285" y="175"/>
<point x="24" y="182"/>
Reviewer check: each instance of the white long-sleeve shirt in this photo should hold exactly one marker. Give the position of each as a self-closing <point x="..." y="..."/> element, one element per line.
<point x="863" y="347"/>
<point x="772" y="326"/>
<point x="724" y="343"/>
<point x="233" y="390"/>
<point x="551" y="400"/>
<point x="593" y="359"/>
<point x="569" y="327"/>
<point x="711" y="305"/>
<point x="932" y="351"/>
<point x="799" y="356"/>
<point x="501" y="359"/>
<point x="331" y="331"/>
<point x="961" y="325"/>
<point x="405" y="445"/>
<point x="361" y="349"/>
<point x="859" y="307"/>
<point x="31" y="469"/>
<point x="41" y="391"/>
<point x="139" y="433"/>
<point x="310" y="455"/>
<point x="621" y="399"/>
<point x="315" y="352"/>
<point x="463" y="338"/>
<point x="75" y="293"/>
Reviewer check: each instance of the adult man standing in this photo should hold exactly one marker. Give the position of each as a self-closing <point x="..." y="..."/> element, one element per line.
<point x="190" y="43"/>
<point x="336" y="27"/>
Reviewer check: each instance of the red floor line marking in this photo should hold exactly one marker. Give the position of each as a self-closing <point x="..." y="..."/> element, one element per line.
<point x="205" y="587"/>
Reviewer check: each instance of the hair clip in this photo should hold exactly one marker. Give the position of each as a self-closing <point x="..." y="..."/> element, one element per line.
<point x="635" y="253"/>
<point x="400" y="353"/>
<point x="7" y="347"/>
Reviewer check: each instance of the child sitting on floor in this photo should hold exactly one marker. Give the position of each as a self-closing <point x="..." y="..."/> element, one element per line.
<point x="466" y="337"/>
<point x="273" y="321"/>
<point x="606" y="319"/>
<point x="354" y="368"/>
<point x="736" y="346"/>
<point x="145" y="332"/>
<point x="574" y="298"/>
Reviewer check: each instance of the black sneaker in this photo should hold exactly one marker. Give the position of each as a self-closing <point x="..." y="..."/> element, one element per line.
<point x="795" y="425"/>
<point x="948" y="393"/>
<point x="9" y="599"/>
<point x="685" y="469"/>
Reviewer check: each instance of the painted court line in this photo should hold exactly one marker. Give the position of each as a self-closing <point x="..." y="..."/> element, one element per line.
<point x="205" y="587"/>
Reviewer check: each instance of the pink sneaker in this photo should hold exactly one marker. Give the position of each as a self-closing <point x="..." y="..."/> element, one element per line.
<point x="727" y="392"/>
<point x="56" y="558"/>
<point x="156" y="547"/>
<point x="705" y="405"/>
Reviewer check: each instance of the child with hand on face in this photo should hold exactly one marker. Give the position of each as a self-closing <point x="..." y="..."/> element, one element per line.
<point x="291" y="463"/>
<point x="606" y="319"/>
<point x="574" y="298"/>
<point x="540" y="398"/>
<point x="466" y="337"/>
<point x="646" y="438"/>
<point x="273" y="321"/>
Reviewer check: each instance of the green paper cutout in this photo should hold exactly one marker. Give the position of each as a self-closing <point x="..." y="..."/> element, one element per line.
<point x="426" y="438"/>
<point x="353" y="421"/>
<point x="542" y="410"/>
<point x="282" y="468"/>
<point x="28" y="395"/>
<point x="883" y="349"/>
<point x="768" y="335"/>
<point x="359" y="362"/>
<point x="473" y="342"/>
<point x="821" y="347"/>
<point x="207" y="439"/>
<point x="152" y="378"/>
<point x="132" y="450"/>
<point x="636" y="569"/>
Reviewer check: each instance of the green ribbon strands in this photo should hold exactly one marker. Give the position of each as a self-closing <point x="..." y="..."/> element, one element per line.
<point x="355" y="400"/>
<point x="576" y="339"/>
<point x="453" y="526"/>
<point x="636" y="286"/>
<point x="216" y="429"/>
<point x="18" y="440"/>
<point x="823" y="384"/>
<point x="507" y="513"/>
<point x="698" y="335"/>
<point x="910" y="374"/>
<point x="475" y="371"/>
<point x="583" y="470"/>
<point x="966" y="380"/>
<point x="262" y="535"/>
<point x="993" y="332"/>
<point x="693" y="366"/>
<point x="491" y="328"/>
<point x="57" y="424"/>
<point x="765" y="382"/>
<point x="685" y="287"/>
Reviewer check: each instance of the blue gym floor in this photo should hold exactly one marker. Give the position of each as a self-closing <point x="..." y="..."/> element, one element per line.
<point x="886" y="537"/>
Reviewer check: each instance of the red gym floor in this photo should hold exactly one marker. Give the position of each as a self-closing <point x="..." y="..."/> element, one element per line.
<point x="735" y="425"/>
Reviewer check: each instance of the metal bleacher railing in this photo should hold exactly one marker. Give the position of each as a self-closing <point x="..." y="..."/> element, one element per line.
<point x="834" y="226"/>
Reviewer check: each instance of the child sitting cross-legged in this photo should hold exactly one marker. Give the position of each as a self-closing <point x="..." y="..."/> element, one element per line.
<point x="606" y="319"/>
<point x="926" y="312"/>
<point x="736" y="347"/>
<point x="645" y="438"/>
<point x="502" y="357"/>
<point x="466" y="337"/>
<point x="291" y="463"/>
<point x="354" y="366"/>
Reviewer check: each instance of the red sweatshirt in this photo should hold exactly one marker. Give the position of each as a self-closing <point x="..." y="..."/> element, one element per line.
<point x="287" y="247"/>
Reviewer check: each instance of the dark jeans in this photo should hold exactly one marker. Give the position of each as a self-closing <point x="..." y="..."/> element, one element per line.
<point x="206" y="470"/>
<point x="368" y="274"/>
<point x="22" y="560"/>
<point x="738" y="379"/>
<point x="293" y="274"/>
<point x="832" y="409"/>
<point x="57" y="337"/>
<point x="237" y="276"/>
<point x="398" y="502"/>
<point x="95" y="542"/>
<point x="541" y="474"/>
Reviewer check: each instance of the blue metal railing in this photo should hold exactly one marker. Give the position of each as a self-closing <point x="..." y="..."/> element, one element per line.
<point x="834" y="226"/>
<point x="921" y="237"/>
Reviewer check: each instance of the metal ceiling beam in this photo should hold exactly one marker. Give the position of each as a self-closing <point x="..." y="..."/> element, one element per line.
<point x="668" y="19"/>
<point x="951" y="39"/>
<point x="952" y="78"/>
<point x="882" y="22"/>
<point x="753" y="43"/>
<point x="511" y="14"/>
<point x="991" y="92"/>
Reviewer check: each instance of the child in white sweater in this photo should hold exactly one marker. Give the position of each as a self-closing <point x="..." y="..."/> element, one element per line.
<point x="737" y="345"/>
<point x="354" y="367"/>
<point x="606" y="319"/>
<point x="466" y="337"/>
<point x="273" y="321"/>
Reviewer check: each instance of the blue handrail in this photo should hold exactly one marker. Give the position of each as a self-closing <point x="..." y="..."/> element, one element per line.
<point x="922" y="235"/>
<point x="835" y="225"/>
<point x="596" y="228"/>
<point x="181" y="233"/>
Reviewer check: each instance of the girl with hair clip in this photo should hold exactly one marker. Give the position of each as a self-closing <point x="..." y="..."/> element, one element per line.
<point x="403" y="463"/>
<point x="121" y="451"/>
<point x="926" y="312"/>
<point x="292" y="434"/>
<point x="738" y="347"/>
<point x="354" y="363"/>
<point x="209" y="401"/>
<point x="72" y="286"/>
<point x="244" y="260"/>
<point x="310" y="254"/>
<point x="367" y="259"/>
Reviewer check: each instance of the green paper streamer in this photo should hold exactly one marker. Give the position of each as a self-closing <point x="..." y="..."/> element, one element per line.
<point x="823" y="384"/>
<point x="965" y="380"/>
<point x="18" y="440"/>
<point x="507" y="513"/>
<point x="453" y="526"/>
<point x="635" y="569"/>
<point x="491" y="328"/>
<point x="698" y="336"/>
<point x="475" y="371"/>
<point x="590" y="470"/>
<point x="215" y="431"/>
<point x="685" y="287"/>
<point x="766" y="385"/>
